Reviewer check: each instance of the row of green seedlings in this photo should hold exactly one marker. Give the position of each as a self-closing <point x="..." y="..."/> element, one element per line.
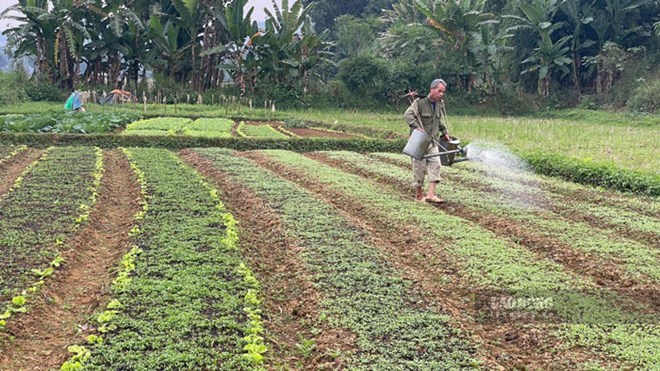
<point x="80" y="122"/>
<point x="183" y="298"/>
<point x="175" y="126"/>
<point x="588" y="315"/>
<point x="56" y="216"/>
<point x="534" y="189"/>
<point x="258" y="131"/>
<point x="8" y="152"/>
<point x="641" y="261"/>
<point x="362" y="292"/>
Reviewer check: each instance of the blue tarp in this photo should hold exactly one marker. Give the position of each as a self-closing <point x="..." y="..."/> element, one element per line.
<point x="74" y="102"/>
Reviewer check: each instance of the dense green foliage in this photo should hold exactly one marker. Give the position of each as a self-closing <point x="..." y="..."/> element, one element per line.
<point x="190" y="302"/>
<point x="173" y="126"/>
<point x="362" y="292"/>
<point x="595" y="173"/>
<point x="61" y="122"/>
<point x="199" y="43"/>
<point x="39" y="213"/>
<point x="595" y="53"/>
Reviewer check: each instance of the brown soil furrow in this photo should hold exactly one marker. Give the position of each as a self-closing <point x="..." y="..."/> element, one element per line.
<point x="426" y="264"/>
<point x="605" y="274"/>
<point x="12" y="168"/>
<point x="42" y="335"/>
<point x="290" y="300"/>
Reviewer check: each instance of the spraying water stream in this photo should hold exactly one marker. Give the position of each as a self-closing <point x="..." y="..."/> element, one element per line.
<point x="498" y="162"/>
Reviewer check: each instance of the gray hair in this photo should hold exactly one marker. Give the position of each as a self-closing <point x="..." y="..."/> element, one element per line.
<point x="436" y="82"/>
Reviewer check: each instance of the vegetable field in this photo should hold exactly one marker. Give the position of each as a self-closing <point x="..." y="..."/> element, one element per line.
<point x="150" y="259"/>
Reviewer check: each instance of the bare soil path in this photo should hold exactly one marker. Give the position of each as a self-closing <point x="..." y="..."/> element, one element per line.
<point x="13" y="167"/>
<point x="41" y="336"/>
<point x="501" y="345"/>
<point x="290" y="300"/>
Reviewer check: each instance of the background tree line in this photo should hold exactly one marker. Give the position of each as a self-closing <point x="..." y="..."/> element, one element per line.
<point x="355" y="53"/>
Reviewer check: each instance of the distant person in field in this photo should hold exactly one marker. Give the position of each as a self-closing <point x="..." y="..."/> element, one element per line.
<point x="424" y="115"/>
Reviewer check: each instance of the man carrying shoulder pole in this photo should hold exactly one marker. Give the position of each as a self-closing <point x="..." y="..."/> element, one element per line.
<point x="424" y="114"/>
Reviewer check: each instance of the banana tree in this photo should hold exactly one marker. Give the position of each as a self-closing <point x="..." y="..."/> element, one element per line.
<point x="459" y="22"/>
<point x="290" y="55"/>
<point x="238" y="57"/>
<point x="167" y="56"/>
<point x="190" y="17"/>
<point x="549" y="55"/>
<point x="118" y="42"/>
<point x="34" y="34"/>
<point x="578" y="17"/>
<point x="546" y="59"/>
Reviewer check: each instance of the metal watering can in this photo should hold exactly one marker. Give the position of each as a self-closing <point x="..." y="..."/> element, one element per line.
<point x="419" y="143"/>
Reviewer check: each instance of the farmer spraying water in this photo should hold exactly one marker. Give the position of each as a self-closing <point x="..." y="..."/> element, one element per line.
<point x="424" y="115"/>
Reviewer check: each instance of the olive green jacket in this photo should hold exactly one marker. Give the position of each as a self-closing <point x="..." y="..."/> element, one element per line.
<point x="422" y="109"/>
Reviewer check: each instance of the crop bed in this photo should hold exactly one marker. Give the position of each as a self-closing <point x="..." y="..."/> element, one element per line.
<point x="45" y="205"/>
<point x="204" y="127"/>
<point x="281" y="260"/>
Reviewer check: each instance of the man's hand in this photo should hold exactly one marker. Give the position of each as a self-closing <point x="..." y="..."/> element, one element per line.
<point x="446" y="138"/>
<point x="419" y="128"/>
